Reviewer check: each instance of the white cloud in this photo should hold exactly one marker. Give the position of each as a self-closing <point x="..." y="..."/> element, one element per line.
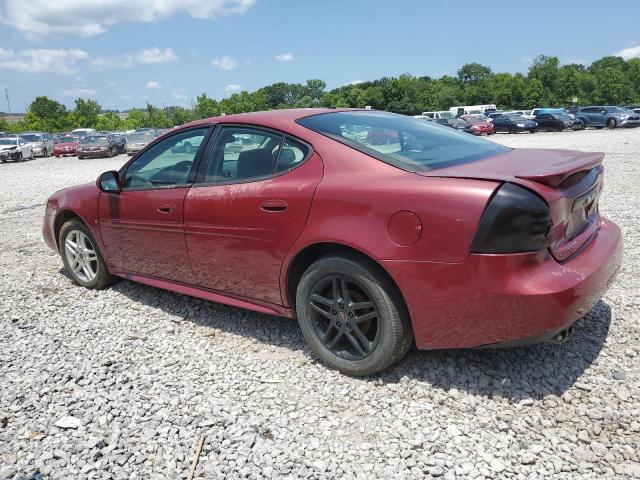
<point x="79" y="92"/>
<point x="284" y="57"/>
<point x="42" y="18"/>
<point x="355" y="82"/>
<point x="629" y="53"/>
<point x="142" y="57"/>
<point x="233" y="88"/>
<point x="153" y="84"/>
<point x="42" y="60"/>
<point x="225" y="63"/>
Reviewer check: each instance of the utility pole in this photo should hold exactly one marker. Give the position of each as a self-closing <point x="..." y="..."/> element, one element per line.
<point x="6" y="94"/>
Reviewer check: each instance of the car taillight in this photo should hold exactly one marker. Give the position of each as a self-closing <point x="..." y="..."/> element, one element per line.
<point x="515" y="221"/>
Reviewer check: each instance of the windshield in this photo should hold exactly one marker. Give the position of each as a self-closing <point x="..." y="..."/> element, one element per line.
<point x="562" y="116"/>
<point x="8" y="141"/>
<point x="474" y="119"/>
<point x="94" y="140"/>
<point x="139" y="138"/>
<point x="446" y="115"/>
<point x="67" y="140"/>
<point x="31" y="137"/>
<point x="402" y="141"/>
<point x="517" y="118"/>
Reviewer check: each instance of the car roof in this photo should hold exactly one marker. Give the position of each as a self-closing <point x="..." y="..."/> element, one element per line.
<point x="270" y="118"/>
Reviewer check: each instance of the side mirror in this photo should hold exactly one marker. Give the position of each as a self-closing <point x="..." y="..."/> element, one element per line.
<point x="109" y="182"/>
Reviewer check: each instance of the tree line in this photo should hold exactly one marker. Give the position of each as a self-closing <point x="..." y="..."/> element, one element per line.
<point x="608" y="81"/>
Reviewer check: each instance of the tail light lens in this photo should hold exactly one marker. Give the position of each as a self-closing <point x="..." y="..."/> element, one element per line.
<point x="515" y="221"/>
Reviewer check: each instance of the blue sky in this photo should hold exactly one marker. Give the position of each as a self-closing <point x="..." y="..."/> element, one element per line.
<point x="123" y="53"/>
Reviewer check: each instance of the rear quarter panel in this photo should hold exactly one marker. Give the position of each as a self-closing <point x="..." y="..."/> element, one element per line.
<point x="358" y="196"/>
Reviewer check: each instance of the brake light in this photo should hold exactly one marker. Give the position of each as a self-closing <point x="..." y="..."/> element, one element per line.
<point x="515" y="221"/>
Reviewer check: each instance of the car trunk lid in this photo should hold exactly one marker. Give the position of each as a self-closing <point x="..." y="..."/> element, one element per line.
<point x="569" y="181"/>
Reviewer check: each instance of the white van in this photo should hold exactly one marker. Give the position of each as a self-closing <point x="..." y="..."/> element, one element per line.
<point x="472" y="109"/>
<point x="83" y="132"/>
<point x="437" y="115"/>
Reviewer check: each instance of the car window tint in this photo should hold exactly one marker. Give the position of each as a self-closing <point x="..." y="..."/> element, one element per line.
<point x="291" y="155"/>
<point x="405" y="142"/>
<point x="166" y="163"/>
<point x="242" y="154"/>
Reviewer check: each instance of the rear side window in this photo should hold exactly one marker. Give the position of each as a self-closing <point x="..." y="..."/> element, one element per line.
<point x="291" y="155"/>
<point x="405" y="142"/>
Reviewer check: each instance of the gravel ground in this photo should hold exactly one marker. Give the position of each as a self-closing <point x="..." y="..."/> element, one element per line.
<point x="123" y="383"/>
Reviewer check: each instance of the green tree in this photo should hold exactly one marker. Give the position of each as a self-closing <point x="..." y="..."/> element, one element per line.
<point x="473" y="72"/>
<point x="46" y="115"/>
<point x="206" y="107"/>
<point x="545" y="69"/>
<point x="109" y="121"/>
<point x="85" y="113"/>
<point x="612" y="87"/>
<point x="4" y="125"/>
<point x="135" y="119"/>
<point x="534" y="95"/>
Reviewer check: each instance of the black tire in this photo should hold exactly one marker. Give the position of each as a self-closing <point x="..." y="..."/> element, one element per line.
<point x="45" y="154"/>
<point x="533" y="131"/>
<point x="103" y="278"/>
<point x="80" y="157"/>
<point x="385" y="324"/>
<point x="611" y="123"/>
<point x="20" y="158"/>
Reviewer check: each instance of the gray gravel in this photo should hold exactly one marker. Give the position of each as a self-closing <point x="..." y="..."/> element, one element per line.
<point x="122" y="383"/>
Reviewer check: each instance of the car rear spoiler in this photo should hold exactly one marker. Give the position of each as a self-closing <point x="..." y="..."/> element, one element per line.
<point x="552" y="175"/>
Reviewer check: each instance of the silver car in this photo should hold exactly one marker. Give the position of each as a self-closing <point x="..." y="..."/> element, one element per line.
<point x="41" y="143"/>
<point x="136" y="142"/>
<point x="15" y="149"/>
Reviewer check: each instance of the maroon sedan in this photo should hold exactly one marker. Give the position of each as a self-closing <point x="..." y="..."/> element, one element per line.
<point x="431" y="236"/>
<point x="479" y="124"/>
<point x="66" y="146"/>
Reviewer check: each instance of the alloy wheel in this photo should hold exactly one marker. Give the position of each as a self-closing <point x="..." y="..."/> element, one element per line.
<point x="81" y="255"/>
<point x="344" y="317"/>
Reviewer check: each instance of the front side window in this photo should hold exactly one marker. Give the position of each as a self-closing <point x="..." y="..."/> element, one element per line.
<point x="400" y="140"/>
<point x="30" y="137"/>
<point x="243" y="154"/>
<point x="166" y="163"/>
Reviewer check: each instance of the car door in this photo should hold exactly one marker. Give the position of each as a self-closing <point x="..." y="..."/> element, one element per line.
<point x="543" y="120"/>
<point x="142" y="226"/>
<point x="26" y="148"/>
<point x="248" y="206"/>
<point x="500" y="123"/>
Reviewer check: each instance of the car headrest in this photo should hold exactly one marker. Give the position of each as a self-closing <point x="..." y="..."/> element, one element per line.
<point x="255" y="163"/>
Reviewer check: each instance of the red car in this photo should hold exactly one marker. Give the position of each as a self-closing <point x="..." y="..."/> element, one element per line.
<point x="66" y="146"/>
<point x="479" y="125"/>
<point x="439" y="238"/>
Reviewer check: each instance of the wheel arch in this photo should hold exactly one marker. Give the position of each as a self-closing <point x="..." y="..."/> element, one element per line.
<point x="304" y="258"/>
<point x="63" y="217"/>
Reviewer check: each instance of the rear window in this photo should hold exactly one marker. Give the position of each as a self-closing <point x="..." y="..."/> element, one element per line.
<point x="405" y="142"/>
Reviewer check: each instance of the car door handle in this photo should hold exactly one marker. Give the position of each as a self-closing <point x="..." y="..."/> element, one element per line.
<point x="167" y="208"/>
<point x="274" y="206"/>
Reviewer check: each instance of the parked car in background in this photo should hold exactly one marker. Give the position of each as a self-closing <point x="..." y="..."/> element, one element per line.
<point x="15" y="149"/>
<point x="558" y="122"/>
<point x="522" y="113"/>
<point x="491" y="115"/>
<point x="633" y="108"/>
<point x="95" y="146"/>
<point x="608" y="116"/>
<point x="441" y="240"/>
<point x="439" y="114"/>
<point x="41" y="143"/>
<point x="513" y="124"/>
<point x="136" y="142"/>
<point x="479" y="124"/>
<point x="66" y="146"/>
<point x="83" y="132"/>
<point x="472" y="109"/>
<point x="148" y="131"/>
<point x="456" y="123"/>
<point x="119" y="140"/>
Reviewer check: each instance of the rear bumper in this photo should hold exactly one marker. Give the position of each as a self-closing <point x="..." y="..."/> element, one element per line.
<point x="102" y="154"/>
<point x="489" y="299"/>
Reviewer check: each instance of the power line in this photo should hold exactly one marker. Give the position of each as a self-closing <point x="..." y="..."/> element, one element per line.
<point x="6" y="94"/>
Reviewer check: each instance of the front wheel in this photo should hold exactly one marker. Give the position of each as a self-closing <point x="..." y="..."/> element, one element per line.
<point x="352" y="316"/>
<point x="611" y="123"/>
<point x="82" y="258"/>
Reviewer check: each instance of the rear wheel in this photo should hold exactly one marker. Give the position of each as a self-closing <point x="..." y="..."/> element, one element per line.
<point x="352" y="316"/>
<point x="20" y="157"/>
<point x="82" y="258"/>
<point x="611" y="123"/>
